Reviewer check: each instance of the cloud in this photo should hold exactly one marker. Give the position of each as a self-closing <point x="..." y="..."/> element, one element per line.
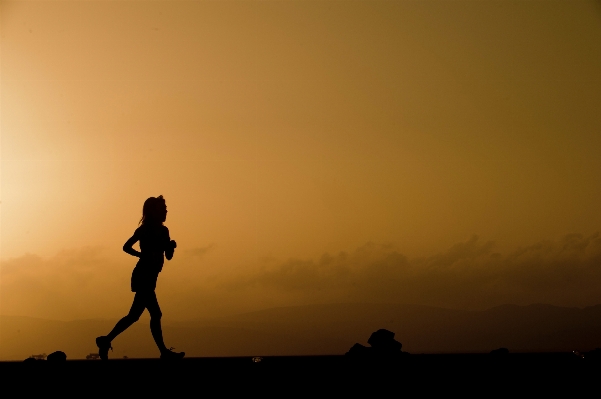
<point x="468" y="275"/>
<point x="200" y="251"/>
<point x="87" y="283"/>
<point x="71" y="284"/>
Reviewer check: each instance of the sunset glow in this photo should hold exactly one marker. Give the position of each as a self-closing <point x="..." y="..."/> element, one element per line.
<point x="426" y="152"/>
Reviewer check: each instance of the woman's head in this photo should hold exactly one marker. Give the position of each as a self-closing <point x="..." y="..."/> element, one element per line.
<point x="154" y="211"/>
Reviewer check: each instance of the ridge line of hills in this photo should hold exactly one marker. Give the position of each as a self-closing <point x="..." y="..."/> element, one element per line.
<point x="320" y="330"/>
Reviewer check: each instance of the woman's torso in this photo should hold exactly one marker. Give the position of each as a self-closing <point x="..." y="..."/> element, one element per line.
<point x="153" y="241"/>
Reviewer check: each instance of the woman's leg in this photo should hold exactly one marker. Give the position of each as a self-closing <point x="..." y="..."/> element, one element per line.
<point x="137" y="308"/>
<point x="152" y="304"/>
<point x="155" y="327"/>
<point x="104" y="342"/>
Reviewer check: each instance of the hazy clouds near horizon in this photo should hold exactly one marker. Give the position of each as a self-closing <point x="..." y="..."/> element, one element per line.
<point x="470" y="275"/>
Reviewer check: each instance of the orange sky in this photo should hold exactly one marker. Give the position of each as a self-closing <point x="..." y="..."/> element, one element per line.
<point x="282" y="130"/>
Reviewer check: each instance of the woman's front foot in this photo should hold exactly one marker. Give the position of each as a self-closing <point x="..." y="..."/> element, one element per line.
<point x="168" y="354"/>
<point x="104" y="344"/>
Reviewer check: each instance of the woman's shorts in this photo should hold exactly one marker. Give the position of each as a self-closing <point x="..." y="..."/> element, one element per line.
<point x="143" y="278"/>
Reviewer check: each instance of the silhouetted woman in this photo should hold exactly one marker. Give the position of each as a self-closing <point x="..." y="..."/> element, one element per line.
<point x="154" y="243"/>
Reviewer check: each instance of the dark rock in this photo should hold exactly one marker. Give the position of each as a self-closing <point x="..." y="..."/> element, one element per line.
<point x="383" y="347"/>
<point x="359" y="350"/>
<point x="500" y="352"/>
<point x="383" y="340"/>
<point x="58" y="356"/>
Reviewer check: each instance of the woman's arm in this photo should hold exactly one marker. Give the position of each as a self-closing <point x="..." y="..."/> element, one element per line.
<point x="128" y="246"/>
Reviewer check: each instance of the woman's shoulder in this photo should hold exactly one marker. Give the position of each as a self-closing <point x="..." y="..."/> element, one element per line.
<point x="152" y="230"/>
<point x="159" y="229"/>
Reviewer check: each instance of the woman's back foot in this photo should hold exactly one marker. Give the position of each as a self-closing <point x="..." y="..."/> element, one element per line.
<point x="104" y="344"/>
<point x="168" y="354"/>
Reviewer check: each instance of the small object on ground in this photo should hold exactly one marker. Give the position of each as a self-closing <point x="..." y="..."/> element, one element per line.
<point x="58" y="356"/>
<point x="595" y="355"/>
<point x="93" y="356"/>
<point x="257" y="359"/>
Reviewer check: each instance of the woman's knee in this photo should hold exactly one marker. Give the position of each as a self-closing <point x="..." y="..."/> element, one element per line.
<point x="156" y="315"/>
<point x="132" y="317"/>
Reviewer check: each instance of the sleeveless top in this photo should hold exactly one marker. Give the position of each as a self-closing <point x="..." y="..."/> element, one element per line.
<point x="154" y="239"/>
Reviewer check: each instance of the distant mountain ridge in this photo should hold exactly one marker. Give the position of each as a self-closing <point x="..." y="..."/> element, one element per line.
<point x="322" y="329"/>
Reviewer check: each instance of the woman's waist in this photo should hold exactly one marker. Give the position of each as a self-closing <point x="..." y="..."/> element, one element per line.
<point x="152" y="255"/>
<point x="151" y="261"/>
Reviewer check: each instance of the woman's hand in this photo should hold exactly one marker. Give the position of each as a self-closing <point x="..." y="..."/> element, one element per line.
<point x="170" y="248"/>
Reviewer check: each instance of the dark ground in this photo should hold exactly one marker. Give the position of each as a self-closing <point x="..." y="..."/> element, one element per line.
<point x="418" y="375"/>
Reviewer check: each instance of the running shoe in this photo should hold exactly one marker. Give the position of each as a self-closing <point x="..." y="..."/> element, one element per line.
<point x="104" y="345"/>
<point x="168" y="354"/>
